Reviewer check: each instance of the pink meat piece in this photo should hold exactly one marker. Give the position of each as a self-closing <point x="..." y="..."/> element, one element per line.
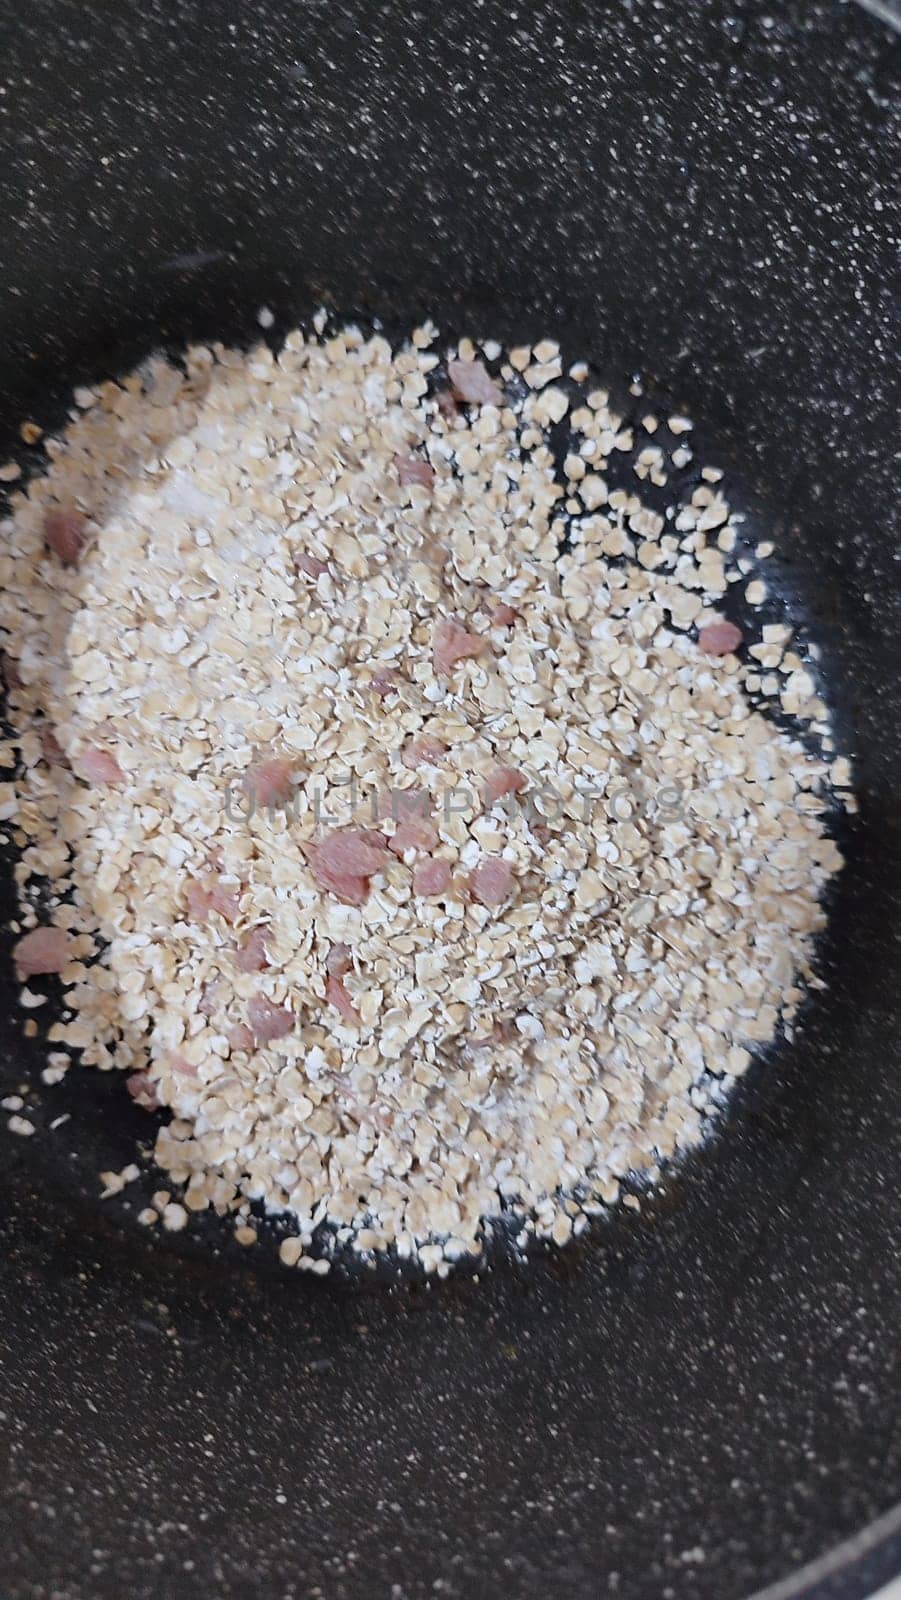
<point x="143" y="1090"/>
<point x="502" y="616"/>
<point x="414" y="833"/>
<point x="426" y="750"/>
<point x="268" y="782"/>
<point x="197" y="900"/>
<point x="412" y="469"/>
<point x="268" y="1021"/>
<point x="472" y="382"/>
<point x="362" y="1111"/>
<point x="431" y="877"/>
<point x="209" y="993"/>
<point x="720" y="638"/>
<point x="337" y="996"/>
<point x="337" y="962"/>
<point x="403" y="803"/>
<point x="64" y="534"/>
<point x="451" y="642"/>
<point x="53" y="752"/>
<point x="226" y="901"/>
<point x="384" y="681"/>
<point x="501" y="1033"/>
<point x="41" y="950"/>
<point x="344" y="861"/>
<point x="251" y="955"/>
<point x="447" y="405"/>
<point x="311" y="565"/>
<point x="347" y="887"/>
<point x="411" y="803"/>
<point x="501" y="781"/>
<point x="9" y="671"/>
<point x="239" y="1036"/>
<point x="202" y="898"/>
<point x="96" y="765"/>
<point x="489" y="882"/>
<point x="357" y="852"/>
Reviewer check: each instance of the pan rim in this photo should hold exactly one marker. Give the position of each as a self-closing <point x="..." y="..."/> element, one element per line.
<point x="888" y="11"/>
<point x="844" y="1563"/>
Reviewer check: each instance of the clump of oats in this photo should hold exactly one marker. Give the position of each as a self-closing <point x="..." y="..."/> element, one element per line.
<point x="419" y="869"/>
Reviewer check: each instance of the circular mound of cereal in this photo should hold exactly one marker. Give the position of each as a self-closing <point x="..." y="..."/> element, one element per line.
<point x="421" y="869"/>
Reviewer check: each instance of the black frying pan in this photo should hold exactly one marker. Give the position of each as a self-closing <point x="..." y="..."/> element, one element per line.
<point x="693" y="1401"/>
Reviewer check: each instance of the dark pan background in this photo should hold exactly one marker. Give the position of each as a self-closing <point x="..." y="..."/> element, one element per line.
<point x="699" y="1398"/>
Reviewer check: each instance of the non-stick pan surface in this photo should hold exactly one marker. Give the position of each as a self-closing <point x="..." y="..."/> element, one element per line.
<point x="700" y="1398"/>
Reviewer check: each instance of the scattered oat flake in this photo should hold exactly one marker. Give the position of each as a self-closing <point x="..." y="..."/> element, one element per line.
<point x="290" y="1251"/>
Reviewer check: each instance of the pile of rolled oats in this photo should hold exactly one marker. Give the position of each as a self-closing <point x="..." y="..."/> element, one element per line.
<point x="422" y="870"/>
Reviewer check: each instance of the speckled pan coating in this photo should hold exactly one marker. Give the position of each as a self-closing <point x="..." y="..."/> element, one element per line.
<point x="696" y="1400"/>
